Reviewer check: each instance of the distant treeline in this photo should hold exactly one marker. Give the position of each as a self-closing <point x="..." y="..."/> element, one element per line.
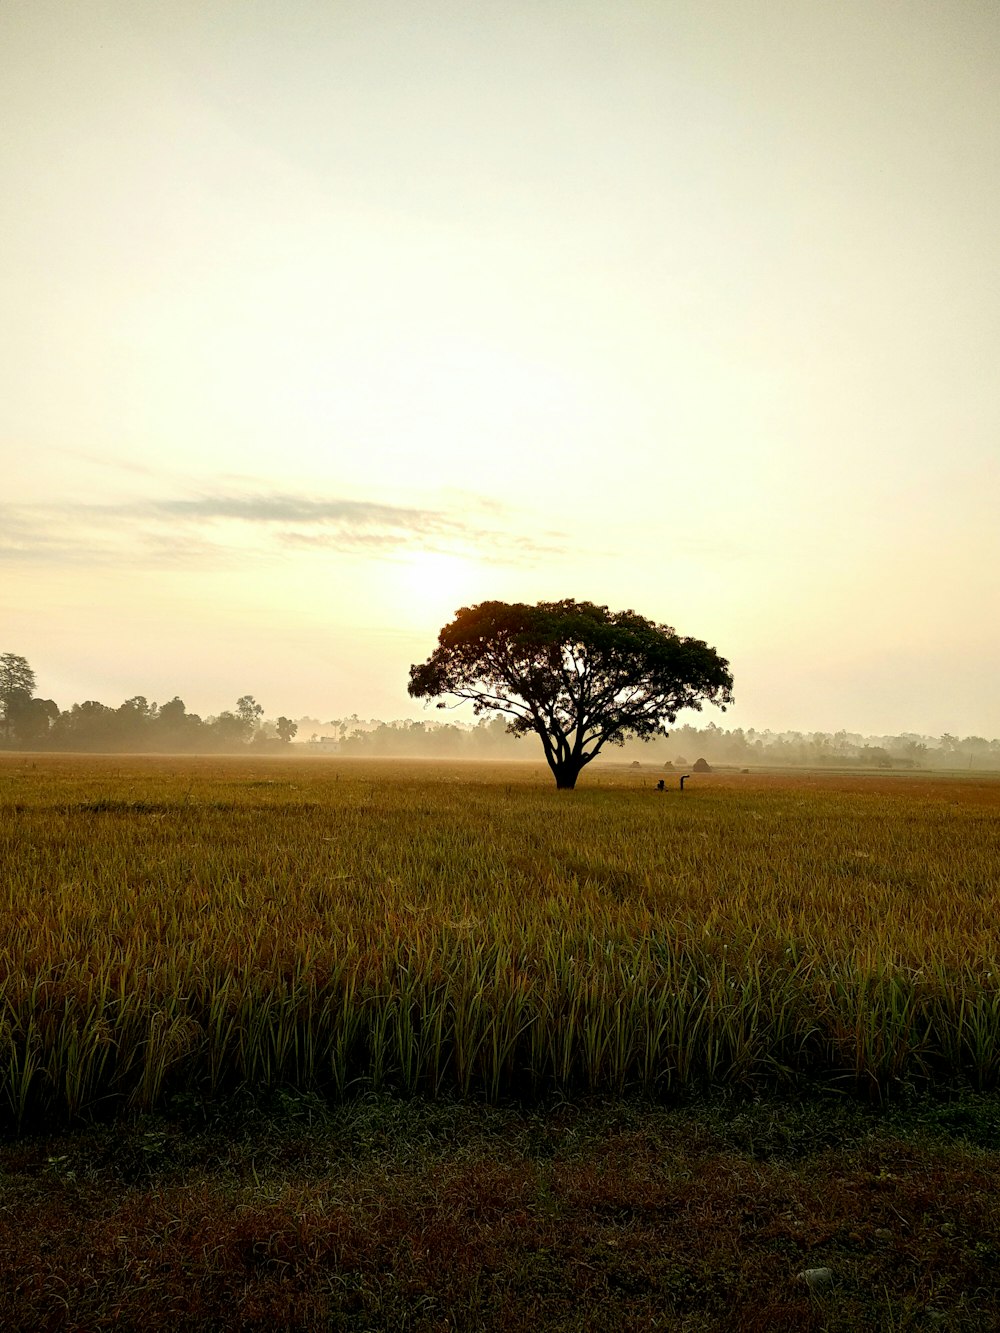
<point x="840" y="749"/>
<point x="28" y="722"/>
<point x="682" y="747"/>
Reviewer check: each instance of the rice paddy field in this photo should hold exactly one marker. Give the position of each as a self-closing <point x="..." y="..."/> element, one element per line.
<point x="473" y="999"/>
<point x="206" y="925"/>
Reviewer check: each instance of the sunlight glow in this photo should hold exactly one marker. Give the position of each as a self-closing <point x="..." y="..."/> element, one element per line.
<point x="434" y="584"/>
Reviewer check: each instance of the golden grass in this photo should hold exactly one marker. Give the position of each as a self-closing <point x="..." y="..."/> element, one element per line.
<point x="330" y="923"/>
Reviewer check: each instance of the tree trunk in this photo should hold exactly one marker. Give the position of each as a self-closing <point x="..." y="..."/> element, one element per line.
<point x="566" y="773"/>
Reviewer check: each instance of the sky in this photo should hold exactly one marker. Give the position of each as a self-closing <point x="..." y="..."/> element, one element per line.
<point x="323" y="319"/>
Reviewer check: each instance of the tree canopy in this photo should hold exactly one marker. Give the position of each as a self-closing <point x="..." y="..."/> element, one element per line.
<point x="578" y="675"/>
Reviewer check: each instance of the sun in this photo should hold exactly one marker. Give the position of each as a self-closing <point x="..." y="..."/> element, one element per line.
<point x="434" y="584"/>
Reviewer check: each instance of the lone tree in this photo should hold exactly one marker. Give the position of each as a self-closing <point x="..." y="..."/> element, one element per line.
<point x="578" y="675"/>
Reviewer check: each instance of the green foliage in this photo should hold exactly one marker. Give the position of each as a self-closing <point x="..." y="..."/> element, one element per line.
<point x="576" y="674"/>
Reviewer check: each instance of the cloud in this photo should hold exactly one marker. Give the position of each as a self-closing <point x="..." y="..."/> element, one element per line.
<point x="298" y="509"/>
<point x="214" y="528"/>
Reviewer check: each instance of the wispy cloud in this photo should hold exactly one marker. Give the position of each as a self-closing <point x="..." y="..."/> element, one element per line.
<point x="298" y="509"/>
<point x="214" y="527"/>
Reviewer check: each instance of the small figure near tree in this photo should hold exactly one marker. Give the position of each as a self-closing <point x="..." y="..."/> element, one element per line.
<point x="578" y="675"/>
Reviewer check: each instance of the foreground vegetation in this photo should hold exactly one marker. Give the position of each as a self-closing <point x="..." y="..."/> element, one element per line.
<point x="202" y="926"/>
<point x="635" y="1019"/>
<point x="379" y="1213"/>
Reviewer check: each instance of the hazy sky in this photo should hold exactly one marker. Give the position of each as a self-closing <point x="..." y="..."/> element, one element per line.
<point x="320" y="320"/>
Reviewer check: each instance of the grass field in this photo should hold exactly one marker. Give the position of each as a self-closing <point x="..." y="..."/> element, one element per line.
<point x="202" y="926"/>
<point x="635" y="1023"/>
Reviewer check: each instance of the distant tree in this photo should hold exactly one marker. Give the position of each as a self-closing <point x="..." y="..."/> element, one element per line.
<point x="15" y="674"/>
<point x="16" y="679"/>
<point x="915" y="751"/>
<point x="27" y="721"/>
<point x="249" y="712"/>
<point x="876" y="755"/>
<point x="228" y="731"/>
<point x="87" y="726"/>
<point x="135" y="721"/>
<point x="174" y="728"/>
<point x="286" y="729"/>
<point x="138" y="706"/>
<point x="576" y="674"/>
<point x="492" y="738"/>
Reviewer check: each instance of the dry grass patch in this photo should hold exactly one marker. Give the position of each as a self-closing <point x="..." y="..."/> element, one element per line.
<point x="602" y="1215"/>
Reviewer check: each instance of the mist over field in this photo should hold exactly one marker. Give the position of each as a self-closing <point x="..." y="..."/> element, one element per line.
<point x="137" y="726"/>
<point x="140" y="727"/>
